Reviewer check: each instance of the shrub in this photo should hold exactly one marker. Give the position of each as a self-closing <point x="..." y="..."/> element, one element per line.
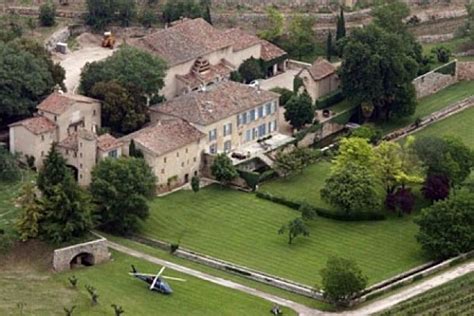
<point x="195" y="183"/>
<point x="329" y="99"/>
<point x="47" y="14"/>
<point x="442" y="54"/>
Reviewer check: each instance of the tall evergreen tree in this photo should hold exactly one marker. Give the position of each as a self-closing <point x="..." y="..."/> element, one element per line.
<point x="206" y="10"/>
<point x="53" y="173"/>
<point x="329" y="48"/>
<point x="341" y="26"/>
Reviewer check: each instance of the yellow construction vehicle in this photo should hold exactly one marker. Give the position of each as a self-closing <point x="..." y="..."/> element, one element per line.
<point x="108" y="41"/>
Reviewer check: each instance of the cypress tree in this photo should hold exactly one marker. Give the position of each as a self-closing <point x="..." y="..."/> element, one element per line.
<point x="329" y="48"/>
<point x="341" y="26"/>
<point x="54" y="171"/>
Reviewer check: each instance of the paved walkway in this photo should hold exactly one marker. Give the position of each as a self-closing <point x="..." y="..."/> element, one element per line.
<point x="371" y="308"/>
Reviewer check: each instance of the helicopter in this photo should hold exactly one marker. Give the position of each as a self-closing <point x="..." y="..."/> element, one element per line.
<point x="157" y="282"/>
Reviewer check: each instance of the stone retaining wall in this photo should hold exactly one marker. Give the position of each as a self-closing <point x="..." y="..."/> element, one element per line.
<point x="97" y="248"/>
<point x="433" y="81"/>
<point x="465" y="70"/>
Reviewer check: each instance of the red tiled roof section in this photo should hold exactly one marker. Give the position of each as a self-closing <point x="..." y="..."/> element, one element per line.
<point x="215" y="72"/>
<point x="69" y="142"/>
<point x="166" y="136"/>
<point x="218" y="102"/>
<point x="321" y="68"/>
<point x="106" y="142"/>
<point x="241" y="39"/>
<point x="37" y="125"/>
<point x="57" y="103"/>
<point x="270" y="51"/>
<point x="186" y="40"/>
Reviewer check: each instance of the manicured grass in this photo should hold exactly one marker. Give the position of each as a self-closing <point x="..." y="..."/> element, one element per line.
<point x="460" y="125"/>
<point x="303" y="187"/>
<point x="452" y="298"/>
<point x="45" y="293"/>
<point x="433" y="103"/>
<point x="8" y="212"/>
<point x="156" y="252"/>
<point x="241" y="228"/>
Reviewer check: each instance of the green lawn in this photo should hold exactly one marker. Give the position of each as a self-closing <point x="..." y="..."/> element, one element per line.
<point x="8" y="211"/>
<point x="45" y="293"/>
<point x="433" y="103"/>
<point x="452" y="298"/>
<point x="296" y="187"/>
<point x="241" y="228"/>
<point x="460" y="125"/>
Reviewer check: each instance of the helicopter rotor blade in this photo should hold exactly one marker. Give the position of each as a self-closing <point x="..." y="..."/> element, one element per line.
<point x="172" y="278"/>
<point x="156" y="277"/>
<point x="161" y="271"/>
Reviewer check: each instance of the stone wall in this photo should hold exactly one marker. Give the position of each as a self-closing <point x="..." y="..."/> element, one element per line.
<point x="97" y="248"/>
<point x="465" y="70"/>
<point x="432" y="82"/>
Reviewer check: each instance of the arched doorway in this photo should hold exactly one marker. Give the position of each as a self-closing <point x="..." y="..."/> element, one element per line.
<point x="83" y="259"/>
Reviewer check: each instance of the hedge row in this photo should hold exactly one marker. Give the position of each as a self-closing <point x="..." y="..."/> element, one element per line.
<point x="338" y="215"/>
<point x="330" y="99"/>
<point x="254" y="178"/>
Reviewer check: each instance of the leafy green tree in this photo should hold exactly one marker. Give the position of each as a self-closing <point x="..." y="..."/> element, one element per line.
<point x="294" y="228"/>
<point x="100" y="13"/>
<point x="342" y="279"/>
<point x="352" y="189"/>
<point x="251" y="69"/>
<point x="378" y="70"/>
<point x="118" y="310"/>
<point x="9" y="169"/>
<point x="47" y="14"/>
<point x="69" y="311"/>
<point x="295" y="161"/>
<point x="307" y="212"/>
<point x="390" y="16"/>
<point x="123" y="111"/>
<point x="446" y="226"/>
<point x="436" y="187"/>
<point x="53" y="173"/>
<point x="236" y="76"/>
<point x="206" y="10"/>
<point x="223" y="169"/>
<point x="120" y="187"/>
<point x="148" y="18"/>
<point x="401" y="201"/>
<point x="137" y="71"/>
<point x="446" y="156"/>
<point x="341" y="25"/>
<point x="301" y="37"/>
<point x="372" y="134"/>
<point x="67" y="212"/>
<point x="31" y="214"/>
<point x="275" y="25"/>
<point x="126" y="11"/>
<point x="285" y="95"/>
<point x="195" y="184"/>
<point x="442" y="54"/>
<point x="354" y="151"/>
<point x="93" y="294"/>
<point x="299" y="110"/>
<point x="26" y="80"/>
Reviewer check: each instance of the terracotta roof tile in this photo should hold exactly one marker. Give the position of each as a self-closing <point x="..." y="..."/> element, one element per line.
<point x="219" y="101"/>
<point x="69" y="142"/>
<point x="106" y="142"/>
<point x="57" y="103"/>
<point x="37" y="125"/>
<point x="321" y="68"/>
<point x="219" y="71"/>
<point x="165" y="136"/>
<point x="241" y="39"/>
<point x="270" y="51"/>
<point x="184" y="41"/>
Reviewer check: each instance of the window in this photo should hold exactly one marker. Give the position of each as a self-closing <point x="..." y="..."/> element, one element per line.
<point x="268" y="108"/>
<point x="227" y="146"/>
<point x="274" y="125"/>
<point x="262" y="130"/>
<point x="186" y="150"/>
<point x="80" y="145"/>
<point x="248" y="135"/>
<point x="42" y="153"/>
<point x="162" y="171"/>
<point x="164" y="159"/>
<point x="260" y="111"/>
<point x="112" y="154"/>
<point x="213" y="148"/>
<point x="94" y="113"/>
<point x="252" y="115"/>
<point x="270" y="127"/>
<point x="80" y="155"/>
<point x="80" y="165"/>
<point x="274" y="106"/>
<point x="194" y="159"/>
<point x="254" y="133"/>
<point x="227" y="129"/>
<point x="42" y="137"/>
<point x="244" y="118"/>
<point x="67" y="152"/>
<point x="212" y="134"/>
<point x="75" y="154"/>
<point x="177" y="154"/>
<point x="182" y="164"/>
<point x="239" y="121"/>
<point x="55" y="118"/>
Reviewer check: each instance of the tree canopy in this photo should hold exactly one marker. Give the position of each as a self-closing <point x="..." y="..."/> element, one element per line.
<point x="101" y="13"/>
<point x="275" y="25"/>
<point x="223" y="169"/>
<point x="294" y="228"/>
<point x="299" y="110"/>
<point x="121" y="187"/>
<point x="251" y="69"/>
<point x="47" y="14"/>
<point x="174" y="10"/>
<point x="378" y="70"/>
<point x="342" y="280"/>
<point x="9" y="169"/>
<point x="446" y="228"/>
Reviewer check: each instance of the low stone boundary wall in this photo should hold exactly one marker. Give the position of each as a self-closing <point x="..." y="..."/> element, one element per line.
<point x="426" y="39"/>
<point x="34" y="11"/>
<point x="432" y="118"/>
<point x="434" y="81"/>
<point x="407" y="277"/>
<point x="97" y="249"/>
<point x="465" y="69"/>
<point x="296" y="64"/>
